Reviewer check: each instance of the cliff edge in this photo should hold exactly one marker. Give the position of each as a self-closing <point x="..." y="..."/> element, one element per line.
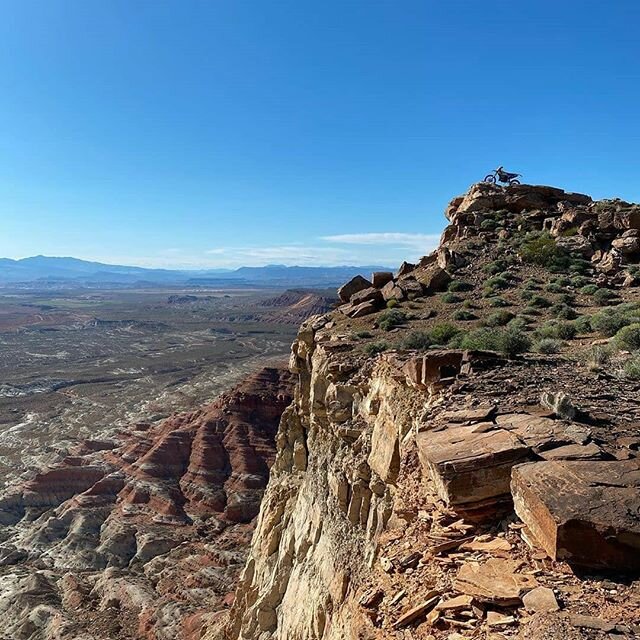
<point x="461" y="456"/>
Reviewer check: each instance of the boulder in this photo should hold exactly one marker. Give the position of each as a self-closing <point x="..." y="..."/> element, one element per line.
<point x="627" y="246"/>
<point x="380" y="278"/>
<point x="371" y="294"/>
<point x="585" y="513"/>
<point x="424" y="371"/>
<point x="576" y="244"/>
<point x="362" y="309"/>
<point x="433" y="278"/>
<point x="468" y="467"/>
<point x="540" y="600"/>
<point x="405" y="269"/>
<point x="391" y="291"/>
<point x="353" y="286"/>
<point x="411" y="288"/>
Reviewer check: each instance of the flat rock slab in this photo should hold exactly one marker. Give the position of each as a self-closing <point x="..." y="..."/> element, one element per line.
<point x="469" y="467"/>
<point x="494" y="581"/>
<point x="586" y="513"/>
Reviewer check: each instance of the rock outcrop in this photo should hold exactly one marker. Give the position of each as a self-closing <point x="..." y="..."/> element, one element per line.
<point x="390" y="508"/>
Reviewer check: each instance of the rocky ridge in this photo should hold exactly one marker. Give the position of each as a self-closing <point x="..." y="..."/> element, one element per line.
<point x="461" y="456"/>
<point x="141" y="536"/>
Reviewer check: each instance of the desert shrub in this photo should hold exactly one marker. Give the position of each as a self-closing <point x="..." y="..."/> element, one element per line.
<point x="531" y="311"/>
<point x="520" y="323"/>
<point x="567" y="298"/>
<point x="599" y="355"/>
<point x="362" y="334"/>
<point x="579" y="281"/>
<point x="392" y="303"/>
<point x="464" y="315"/>
<point x="443" y="332"/>
<point x="509" y="342"/>
<point x="526" y="294"/>
<point x="391" y="318"/>
<point x="554" y="287"/>
<point x="603" y="297"/>
<point x="373" y="348"/>
<point x="563" y="312"/>
<point x="531" y="285"/>
<point x="583" y="324"/>
<point x="496" y="283"/>
<point x="469" y="304"/>
<point x="488" y="225"/>
<point x="632" y="368"/>
<point x="497" y="301"/>
<point x="540" y="302"/>
<point x="564" y="281"/>
<point x="459" y="285"/>
<point x="541" y="249"/>
<point x="556" y="330"/>
<point x="589" y="289"/>
<point x="495" y="267"/>
<point x="610" y="320"/>
<point x="498" y="318"/>
<point x="548" y="345"/>
<point x="450" y="298"/>
<point x="417" y="340"/>
<point x="580" y="266"/>
<point x="628" y="337"/>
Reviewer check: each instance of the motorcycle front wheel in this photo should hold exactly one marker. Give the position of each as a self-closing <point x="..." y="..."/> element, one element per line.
<point x="490" y="178"/>
<point x="512" y="183"/>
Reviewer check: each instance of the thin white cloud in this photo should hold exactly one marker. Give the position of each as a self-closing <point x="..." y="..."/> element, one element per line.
<point x="424" y="240"/>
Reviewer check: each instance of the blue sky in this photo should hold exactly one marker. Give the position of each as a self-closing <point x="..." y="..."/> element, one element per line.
<point x="228" y="132"/>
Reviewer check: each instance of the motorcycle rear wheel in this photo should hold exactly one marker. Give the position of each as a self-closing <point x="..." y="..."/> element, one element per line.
<point x="490" y="178"/>
<point x="513" y="182"/>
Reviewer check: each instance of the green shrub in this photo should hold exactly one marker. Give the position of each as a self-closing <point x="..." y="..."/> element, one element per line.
<point x="459" y="285"/>
<point x="499" y="318"/>
<point x="628" y="337"/>
<point x="548" y="346"/>
<point x="589" y="289"/>
<point x="469" y="304"/>
<point x="599" y="355"/>
<point x="603" y="297"/>
<point x="392" y="303"/>
<point x="540" y="302"/>
<point x="443" y="332"/>
<point x="464" y="315"/>
<point x="487" y="225"/>
<point x="373" y="348"/>
<point x="363" y="334"/>
<point x="580" y="266"/>
<point x="557" y="330"/>
<point x="610" y="320"/>
<point x="541" y="249"/>
<point x="493" y="268"/>
<point x="553" y="287"/>
<point x="391" y="318"/>
<point x="567" y="298"/>
<point x="497" y="301"/>
<point x="509" y="342"/>
<point x="632" y="368"/>
<point x="420" y="340"/>
<point x="579" y="281"/>
<point x="520" y="323"/>
<point x="496" y="283"/>
<point x="526" y="294"/>
<point x="563" y="312"/>
<point x="583" y="324"/>
<point x="531" y="311"/>
<point x="450" y="298"/>
<point x="531" y="285"/>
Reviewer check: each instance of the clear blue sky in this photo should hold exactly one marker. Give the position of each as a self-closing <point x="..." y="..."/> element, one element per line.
<point x="227" y="132"/>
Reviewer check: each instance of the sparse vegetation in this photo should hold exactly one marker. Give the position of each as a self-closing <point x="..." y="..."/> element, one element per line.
<point x="540" y="302"/>
<point x="416" y="340"/>
<point x="374" y="348"/>
<point x="563" y="312"/>
<point x="499" y="318"/>
<point x="632" y="368"/>
<point x="391" y="318"/>
<point x="603" y="297"/>
<point x="610" y="320"/>
<point x="392" y="303"/>
<point x="628" y="337"/>
<point x="459" y="285"/>
<point x="557" y="330"/>
<point x="443" y="332"/>
<point x="450" y="298"/>
<point x="548" y="346"/>
<point x="509" y="342"/>
<point x="540" y="248"/>
<point x="464" y="315"/>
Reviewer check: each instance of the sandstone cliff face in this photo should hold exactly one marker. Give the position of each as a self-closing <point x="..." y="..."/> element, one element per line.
<point x="142" y="536"/>
<point x="390" y="507"/>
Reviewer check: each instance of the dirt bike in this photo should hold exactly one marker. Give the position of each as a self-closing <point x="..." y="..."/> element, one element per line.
<point x="498" y="175"/>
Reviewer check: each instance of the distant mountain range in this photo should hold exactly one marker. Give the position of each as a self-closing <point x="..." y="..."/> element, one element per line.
<point x="49" y="271"/>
